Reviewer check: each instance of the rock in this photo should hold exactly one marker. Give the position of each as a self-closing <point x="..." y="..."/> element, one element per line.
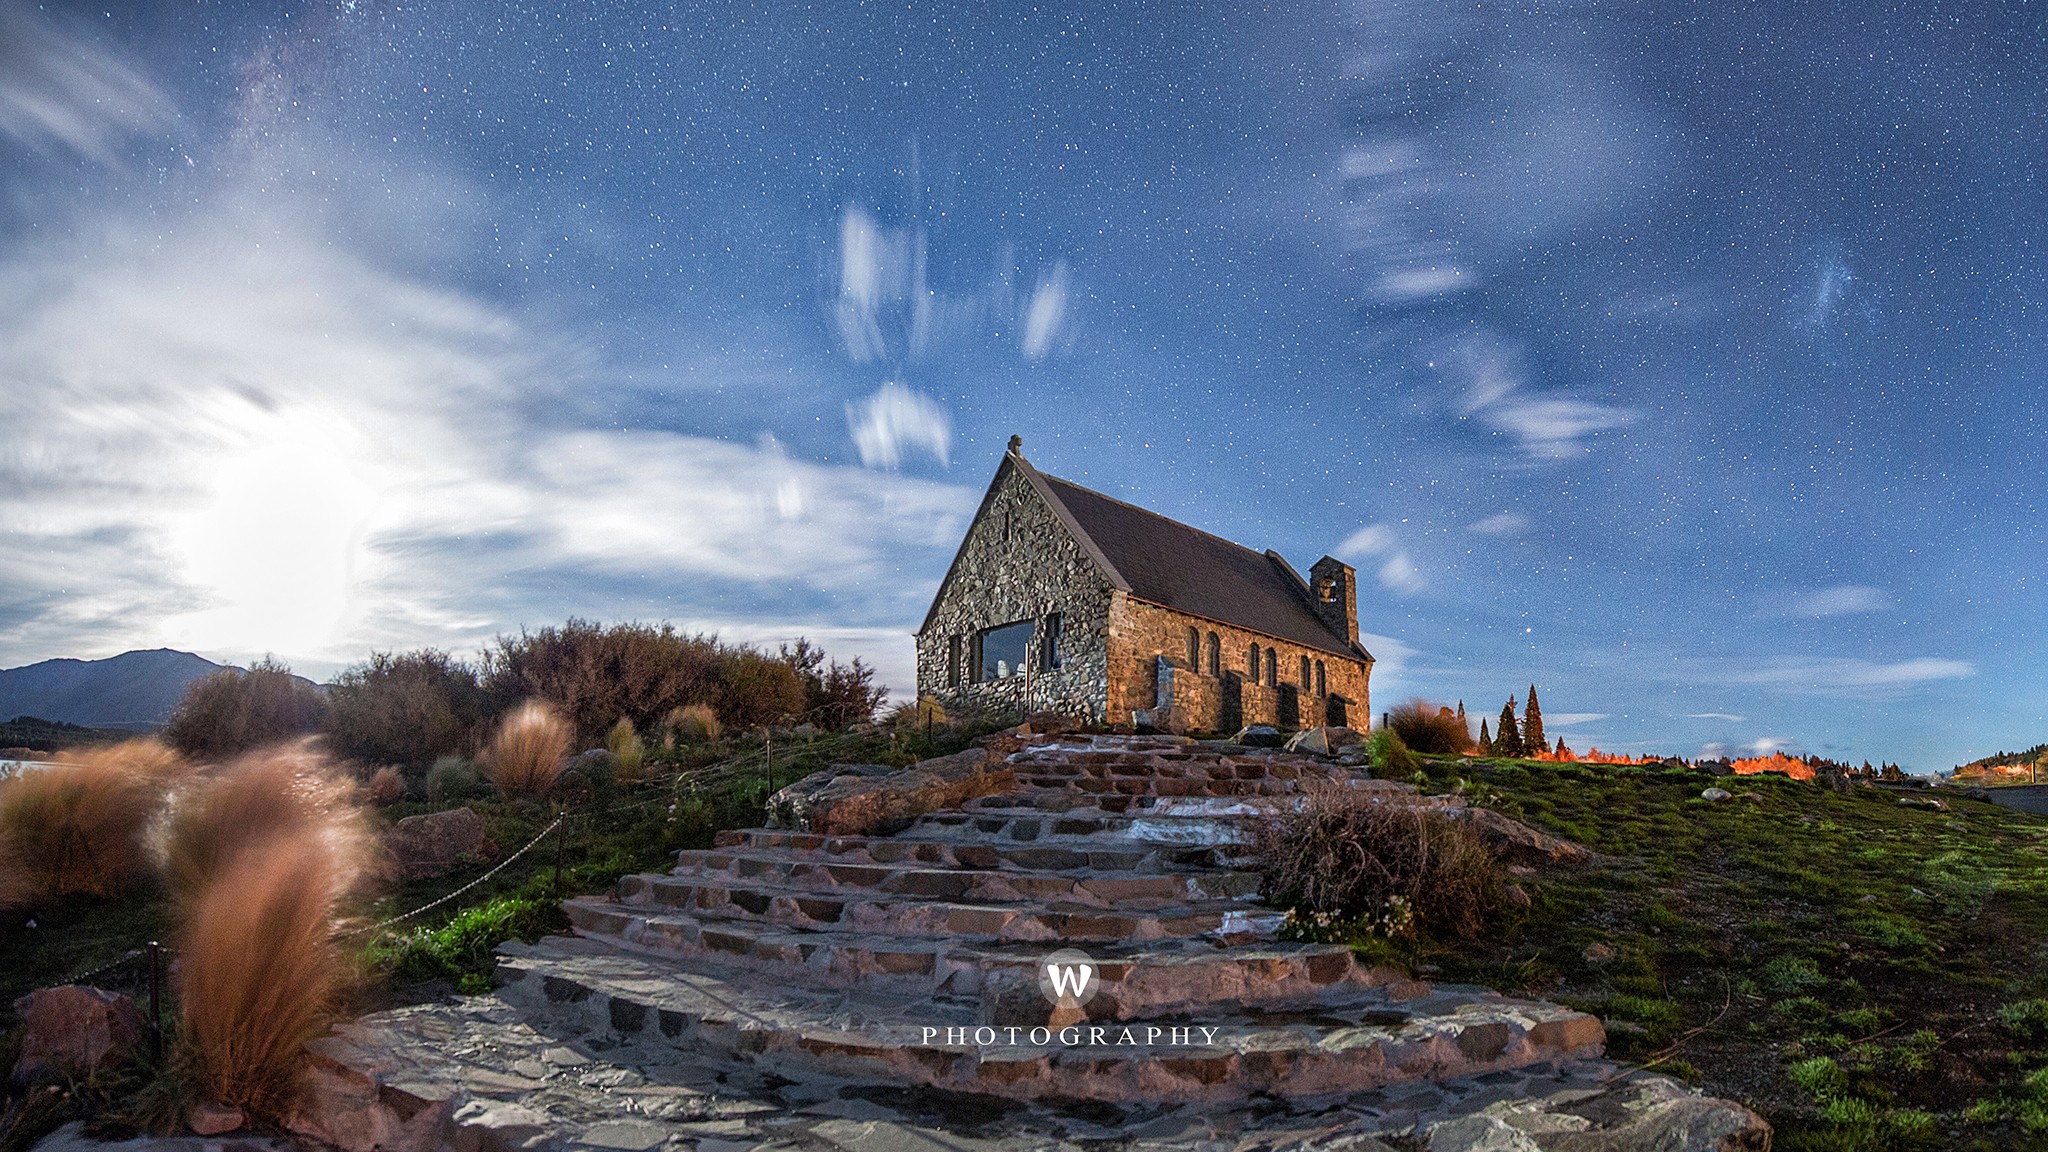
<point x="1599" y="953"/>
<point x="434" y="844"/>
<point x="1258" y="736"/>
<point x="1977" y="793"/>
<point x="1519" y="896"/>
<point x="805" y="730"/>
<point x="1931" y="803"/>
<point x="1717" y="767"/>
<point x="1518" y="841"/>
<point x="73" y="1026"/>
<point x="1323" y="741"/>
<point x="1716" y="794"/>
<point x="208" y="1119"/>
<point x="860" y="802"/>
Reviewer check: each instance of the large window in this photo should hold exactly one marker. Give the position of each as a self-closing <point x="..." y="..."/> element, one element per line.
<point x="1004" y="651"/>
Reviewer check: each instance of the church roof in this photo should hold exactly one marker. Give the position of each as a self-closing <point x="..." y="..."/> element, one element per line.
<point x="1170" y="564"/>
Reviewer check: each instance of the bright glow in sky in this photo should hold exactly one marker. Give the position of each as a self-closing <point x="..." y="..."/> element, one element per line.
<point x="1686" y="361"/>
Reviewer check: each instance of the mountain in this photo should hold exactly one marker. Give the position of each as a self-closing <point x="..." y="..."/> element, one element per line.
<point x="135" y="690"/>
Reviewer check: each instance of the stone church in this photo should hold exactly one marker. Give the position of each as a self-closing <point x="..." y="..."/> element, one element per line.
<point x="1066" y="600"/>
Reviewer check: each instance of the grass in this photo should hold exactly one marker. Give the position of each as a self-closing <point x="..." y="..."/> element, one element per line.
<point x="77" y="827"/>
<point x="1762" y="944"/>
<point x="529" y="752"/>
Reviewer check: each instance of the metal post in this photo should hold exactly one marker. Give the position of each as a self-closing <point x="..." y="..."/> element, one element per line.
<point x="768" y="735"/>
<point x="561" y="843"/>
<point x="156" y="1009"/>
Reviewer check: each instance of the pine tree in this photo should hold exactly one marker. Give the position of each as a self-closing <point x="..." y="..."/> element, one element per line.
<point x="1485" y="741"/>
<point x="1507" y="740"/>
<point x="1561" y="749"/>
<point x="1532" y="723"/>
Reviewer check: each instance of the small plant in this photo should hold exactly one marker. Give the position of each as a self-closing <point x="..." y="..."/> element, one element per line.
<point x="1788" y="974"/>
<point x="2026" y="1020"/>
<point x="629" y="755"/>
<point x="529" y="752"/>
<point x="694" y="724"/>
<point x="451" y="778"/>
<point x="387" y="784"/>
<point x="1961" y="881"/>
<point x="1391" y="759"/>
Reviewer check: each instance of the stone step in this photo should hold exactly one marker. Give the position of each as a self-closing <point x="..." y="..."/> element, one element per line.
<point x="1009" y="824"/>
<point x="1151" y="977"/>
<point x="727" y="901"/>
<point x="951" y="853"/>
<point x="1075" y="883"/>
<point x="1359" y="1041"/>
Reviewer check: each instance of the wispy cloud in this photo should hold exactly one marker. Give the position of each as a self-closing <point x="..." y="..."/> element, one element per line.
<point x="1500" y="524"/>
<point x="1826" y="675"/>
<point x="1567" y="719"/>
<point x="60" y="92"/>
<point x="895" y="419"/>
<point x="1728" y="716"/>
<point x="1047" y="313"/>
<point x="1397" y="571"/>
<point x="1819" y="603"/>
<point x="1487" y="379"/>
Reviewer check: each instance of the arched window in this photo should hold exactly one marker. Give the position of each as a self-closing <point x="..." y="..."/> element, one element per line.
<point x="1322" y="680"/>
<point x="1194" y="649"/>
<point x="1305" y="682"/>
<point x="1215" y="656"/>
<point x="1252" y="661"/>
<point x="1272" y="668"/>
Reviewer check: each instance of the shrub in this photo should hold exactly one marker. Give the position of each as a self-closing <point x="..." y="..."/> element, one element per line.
<point x="232" y="711"/>
<point x="1345" y="855"/>
<point x="694" y="724"/>
<point x="283" y="793"/>
<point x="1961" y="881"/>
<point x="406" y="708"/>
<point x="2026" y="1020"/>
<point x="628" y="753"/>
<point x="451" y="778"/>
<point x="387" y="784"/>
<point x="1789" y="974"/>
<point x="529" y="752"/>
<point x="1390" y="757"/>
<point x="260" y="973"/>
<point x="80" y="825"/>
<point x="595" y="673"/>
<point x="1427" y="727"/>
<point x="755" y="690"/>
<point x="836" y="696"/>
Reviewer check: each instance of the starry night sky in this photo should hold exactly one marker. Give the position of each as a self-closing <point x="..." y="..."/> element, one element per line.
<point x="1683" y="359"/>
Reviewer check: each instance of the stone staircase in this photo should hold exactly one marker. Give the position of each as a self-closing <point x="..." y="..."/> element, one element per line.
<point x="916" y="955"/>
<point x="892" y="979"/>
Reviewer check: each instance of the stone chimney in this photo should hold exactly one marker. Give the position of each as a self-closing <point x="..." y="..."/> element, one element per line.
<point x="1334" y="586"/>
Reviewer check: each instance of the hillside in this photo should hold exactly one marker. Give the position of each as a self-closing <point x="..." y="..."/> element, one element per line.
<point x="52" y="735"/>
<point x="135" y="690"/>
<point x="2005" y="766"/>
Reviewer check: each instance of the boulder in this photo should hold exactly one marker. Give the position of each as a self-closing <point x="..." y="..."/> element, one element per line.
<point x="1258" y="736"/>
<point x="208" y="1119"/>
<point x="436" y="843"/>
<point x="871" y="799"/>
<point x="1716" y="794"/>
<point x="1717" y="767"/>
<point x="73" y="1026"/>
<point x="1516" y="840"/>
<point x="1931" y="803"/>
<point x="1325" y="741"/>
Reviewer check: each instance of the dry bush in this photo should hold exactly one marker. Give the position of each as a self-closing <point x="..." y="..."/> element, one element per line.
<point x="597" y="673"/>
<point x="260" y="973"/>
<point x="629" y="753"/>
<point x="694" y="724"/>
<point x="387" y="784"/>
<point x="755" y="690"/>
<point x="262" y="855"/>
<point x="81" y="824"/>
<point x="286" y="792"/>
<point x="1347" y="855"/>
<point x="1430" y="728"/>
<point x="529" y="752"/>
<point x="407" y="707"/>
<point x="232" y="711"/>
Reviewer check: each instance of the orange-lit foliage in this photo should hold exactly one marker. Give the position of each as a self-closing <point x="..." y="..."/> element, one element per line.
<point x="1564" y="755"/>
<point x="1775" y="762"/>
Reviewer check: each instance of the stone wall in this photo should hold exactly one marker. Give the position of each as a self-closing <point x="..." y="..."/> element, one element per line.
<point x="1019" y="562"/>
<point x="1146" y="632"/>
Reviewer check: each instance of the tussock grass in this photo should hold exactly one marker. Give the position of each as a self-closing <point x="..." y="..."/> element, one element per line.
<point x="387" y="784"/>
<point x="262" y="856"/>
<point x="529" y="752"/>
<point x="79" y="827"/>
<point x="1425" y="726"/>
<point x="694" y="724"/>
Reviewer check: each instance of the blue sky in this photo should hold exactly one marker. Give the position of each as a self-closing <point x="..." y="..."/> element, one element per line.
<point x="1683" y="360"/>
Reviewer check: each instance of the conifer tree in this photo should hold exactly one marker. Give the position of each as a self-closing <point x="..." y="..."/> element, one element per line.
<point x="1507" y="740"/>
<point x="1561" y="749"/>
<point x="1532" y="724"/>
<point x="1485" y="741"/>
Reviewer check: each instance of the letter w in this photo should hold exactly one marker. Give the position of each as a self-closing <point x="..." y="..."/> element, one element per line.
<point x="1069" y="979"/>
